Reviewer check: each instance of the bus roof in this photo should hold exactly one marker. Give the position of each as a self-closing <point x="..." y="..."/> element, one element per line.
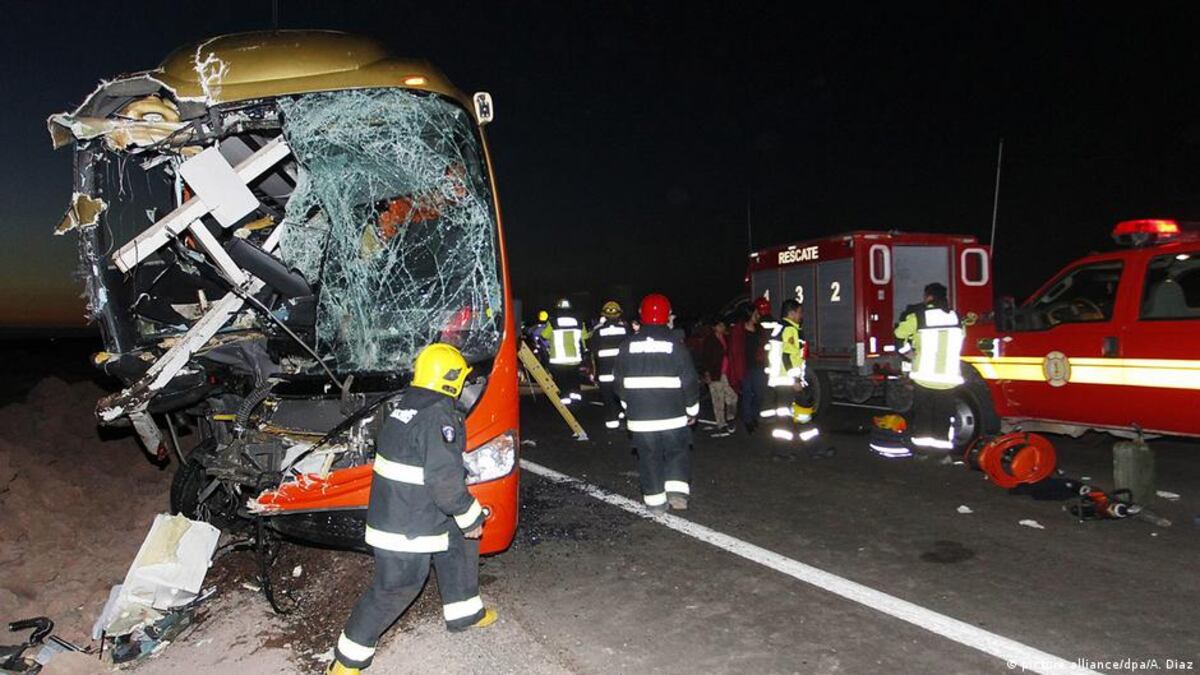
<point x="248" y="66"/>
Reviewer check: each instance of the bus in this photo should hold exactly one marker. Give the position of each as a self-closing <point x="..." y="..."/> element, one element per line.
<point x="270" y="226"/>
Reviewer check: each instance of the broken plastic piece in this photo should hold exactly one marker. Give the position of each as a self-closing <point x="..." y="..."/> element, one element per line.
<point x="1032" y="523"/>
<point x="168" y="572"/>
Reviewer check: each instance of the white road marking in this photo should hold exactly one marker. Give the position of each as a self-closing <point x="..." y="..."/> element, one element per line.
<point x="1015" y="654"/>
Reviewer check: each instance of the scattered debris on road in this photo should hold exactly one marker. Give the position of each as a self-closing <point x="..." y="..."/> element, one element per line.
<point x="965" y="509"/>
<point x="1170" y="496"/>
<point x="13" y="658"/>
<point x="161" y="591"/>
<point x="1032" y="523"/>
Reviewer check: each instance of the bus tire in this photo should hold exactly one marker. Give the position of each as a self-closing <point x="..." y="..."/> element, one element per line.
<point x="219" y="507"/>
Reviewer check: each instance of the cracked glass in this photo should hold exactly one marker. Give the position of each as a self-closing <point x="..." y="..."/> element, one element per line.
<point x="392" y="220"/>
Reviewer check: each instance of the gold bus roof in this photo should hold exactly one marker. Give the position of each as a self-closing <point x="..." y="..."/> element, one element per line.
<point x="248" y="66"/>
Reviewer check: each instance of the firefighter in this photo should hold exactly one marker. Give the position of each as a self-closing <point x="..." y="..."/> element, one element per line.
<point x="790" y="401"/>
<point x="541" y="348"/>
<point x="610" y="331"/>
<point x="566" y="334"/>
<point x="419" y="512"/>
<point x="658" y="387"/>
<point x="934" y="334"/>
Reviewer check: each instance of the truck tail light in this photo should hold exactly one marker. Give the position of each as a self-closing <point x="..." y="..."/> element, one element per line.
<point x="492" y="460"/>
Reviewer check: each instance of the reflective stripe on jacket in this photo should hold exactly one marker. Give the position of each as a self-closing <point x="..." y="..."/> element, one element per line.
<point x="937" y="338"/>
<point x="565" y="335"/>
<point x="419" y="486"/>
<point x="605" y="343"/>
<point x="655" y="379"/>
<point x="777" y="372"/>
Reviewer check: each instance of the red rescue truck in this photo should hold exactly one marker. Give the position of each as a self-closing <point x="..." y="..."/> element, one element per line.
<point x="853" y="288"/>
<point x="1111" y="342"/>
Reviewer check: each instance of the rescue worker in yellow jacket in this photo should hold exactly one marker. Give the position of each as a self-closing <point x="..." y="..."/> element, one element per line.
<point x="786" y="376"/>
<point x="566" y="334"/>
<point x="934" y="335"/>
<point x="420" y="512"/>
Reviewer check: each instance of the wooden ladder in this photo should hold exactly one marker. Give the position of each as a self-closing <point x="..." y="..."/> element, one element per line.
<point x="546" y="384"/>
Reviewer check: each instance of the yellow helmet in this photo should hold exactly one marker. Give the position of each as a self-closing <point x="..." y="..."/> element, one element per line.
<point x="441" y="368"/>
<point x="802" y="413"/>
<point x="611" y="309"/>
<point x="543" y="315"/>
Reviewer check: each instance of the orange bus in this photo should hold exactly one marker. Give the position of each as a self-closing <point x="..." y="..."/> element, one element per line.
<point x="270" y="226"/>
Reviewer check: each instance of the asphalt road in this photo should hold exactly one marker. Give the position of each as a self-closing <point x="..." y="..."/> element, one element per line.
<point x="605" y="590"/>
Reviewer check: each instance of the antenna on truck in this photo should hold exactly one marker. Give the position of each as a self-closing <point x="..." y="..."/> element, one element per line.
<point x="749" y="231"/>
<point x="996" y="196"/>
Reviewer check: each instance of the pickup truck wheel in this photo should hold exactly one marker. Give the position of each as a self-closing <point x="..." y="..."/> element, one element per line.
<point x="968" y="422"/>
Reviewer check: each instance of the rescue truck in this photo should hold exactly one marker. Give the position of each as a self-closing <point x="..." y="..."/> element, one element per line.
<point x="1111" y="342"/>
<point x="853" y="288"/>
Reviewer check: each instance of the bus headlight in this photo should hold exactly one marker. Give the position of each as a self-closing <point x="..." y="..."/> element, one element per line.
<point x="492" y="460"/>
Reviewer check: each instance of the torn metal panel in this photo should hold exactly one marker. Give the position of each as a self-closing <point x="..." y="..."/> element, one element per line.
<point x="118" y="134"/>
<point x="84" y="212"/>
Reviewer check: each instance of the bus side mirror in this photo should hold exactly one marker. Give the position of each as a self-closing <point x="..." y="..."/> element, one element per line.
<point x="1006" y="314"/>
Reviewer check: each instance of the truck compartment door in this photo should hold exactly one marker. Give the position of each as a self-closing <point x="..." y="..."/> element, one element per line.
<point x="798" y="284"/>
<point x="834" y="318"/>
<point x="914" y="267"/>
<point x="766" y="282"/>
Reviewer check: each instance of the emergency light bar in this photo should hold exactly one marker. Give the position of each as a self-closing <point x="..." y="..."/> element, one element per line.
<point x="1144" y="231"/>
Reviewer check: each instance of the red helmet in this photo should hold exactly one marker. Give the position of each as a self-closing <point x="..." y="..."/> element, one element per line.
<point x="763" y="306"/>
<point x="656" y="310"/>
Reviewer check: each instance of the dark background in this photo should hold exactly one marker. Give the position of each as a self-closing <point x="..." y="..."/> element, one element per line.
<point x="631" y="138"/>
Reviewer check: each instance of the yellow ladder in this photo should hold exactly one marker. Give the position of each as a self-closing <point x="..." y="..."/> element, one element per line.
<point x="546" y="383"/>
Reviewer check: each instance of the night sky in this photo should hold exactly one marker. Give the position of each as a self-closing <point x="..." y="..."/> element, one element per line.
<point x="631" y="137"/>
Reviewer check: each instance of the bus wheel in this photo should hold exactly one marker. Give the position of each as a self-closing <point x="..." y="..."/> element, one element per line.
<point x="198" y="496"/>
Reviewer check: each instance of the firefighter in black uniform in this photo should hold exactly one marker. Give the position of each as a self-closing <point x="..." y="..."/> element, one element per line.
<point x="420" y="512"/>
<point x="658" y="386"/>
<point x="610" y="331"/>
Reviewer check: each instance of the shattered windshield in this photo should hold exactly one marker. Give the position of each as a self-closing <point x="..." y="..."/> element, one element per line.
<point x="392" y="219"/>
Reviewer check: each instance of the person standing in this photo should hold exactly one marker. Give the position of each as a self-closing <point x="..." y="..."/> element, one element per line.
<point x="715" y="369"/>
<point x="934" y="333"/>
<point x="657" y="384"/>
<point x="419" y="513"/>
<point x="565" y="334"/>
<point x="537" y="339"/>
<point x="610" y="331"/>
<point x="793" y="404"/>
<point x="753" y="341"/>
